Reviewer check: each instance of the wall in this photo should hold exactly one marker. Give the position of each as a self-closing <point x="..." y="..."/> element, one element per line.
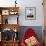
<point x="22" y="4"/>
<point x="39" y="13"/>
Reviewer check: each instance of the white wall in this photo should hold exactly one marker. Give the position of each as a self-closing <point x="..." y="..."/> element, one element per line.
<point x="27" y="3"/>
<point x="39" y="12"/>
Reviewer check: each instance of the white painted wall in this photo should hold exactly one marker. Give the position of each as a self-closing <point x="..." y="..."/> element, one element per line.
<point x="39" y="12"/>
<point x="27" y="3"/>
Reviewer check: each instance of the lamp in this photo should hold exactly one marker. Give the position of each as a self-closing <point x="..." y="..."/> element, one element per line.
<point x="15" y="30"/>
<point x="15" y="35"/>
<point x="15" y="3"/>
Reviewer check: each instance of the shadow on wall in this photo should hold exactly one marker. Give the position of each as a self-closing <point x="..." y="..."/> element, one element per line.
<point x="37" y="29"/>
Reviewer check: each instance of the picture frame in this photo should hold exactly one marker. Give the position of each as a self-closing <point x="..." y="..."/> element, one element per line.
<point x="13" y="12"/>
<point x="30" y="13"/>
<point x="5" y="12"/>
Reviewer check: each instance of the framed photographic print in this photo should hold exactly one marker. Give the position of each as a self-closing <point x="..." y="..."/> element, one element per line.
<point x="30" y="13"/>
<point x="5" y="12"/>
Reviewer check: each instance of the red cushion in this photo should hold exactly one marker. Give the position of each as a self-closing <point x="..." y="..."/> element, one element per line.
<point x="29" y="33"/>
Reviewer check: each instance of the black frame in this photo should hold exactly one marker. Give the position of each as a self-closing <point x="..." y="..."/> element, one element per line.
<point x="30" y="17"/>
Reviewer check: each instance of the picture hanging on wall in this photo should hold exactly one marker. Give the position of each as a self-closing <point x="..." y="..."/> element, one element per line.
<point x="30" y="13"/>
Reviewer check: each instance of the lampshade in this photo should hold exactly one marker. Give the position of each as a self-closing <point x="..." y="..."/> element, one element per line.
<point x="15" y="30"/>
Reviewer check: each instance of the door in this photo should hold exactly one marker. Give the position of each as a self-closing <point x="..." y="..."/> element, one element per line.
<point x="44" y="7"/>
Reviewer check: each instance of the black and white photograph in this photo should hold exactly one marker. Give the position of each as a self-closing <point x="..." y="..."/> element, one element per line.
<point x="30" y="13"/>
